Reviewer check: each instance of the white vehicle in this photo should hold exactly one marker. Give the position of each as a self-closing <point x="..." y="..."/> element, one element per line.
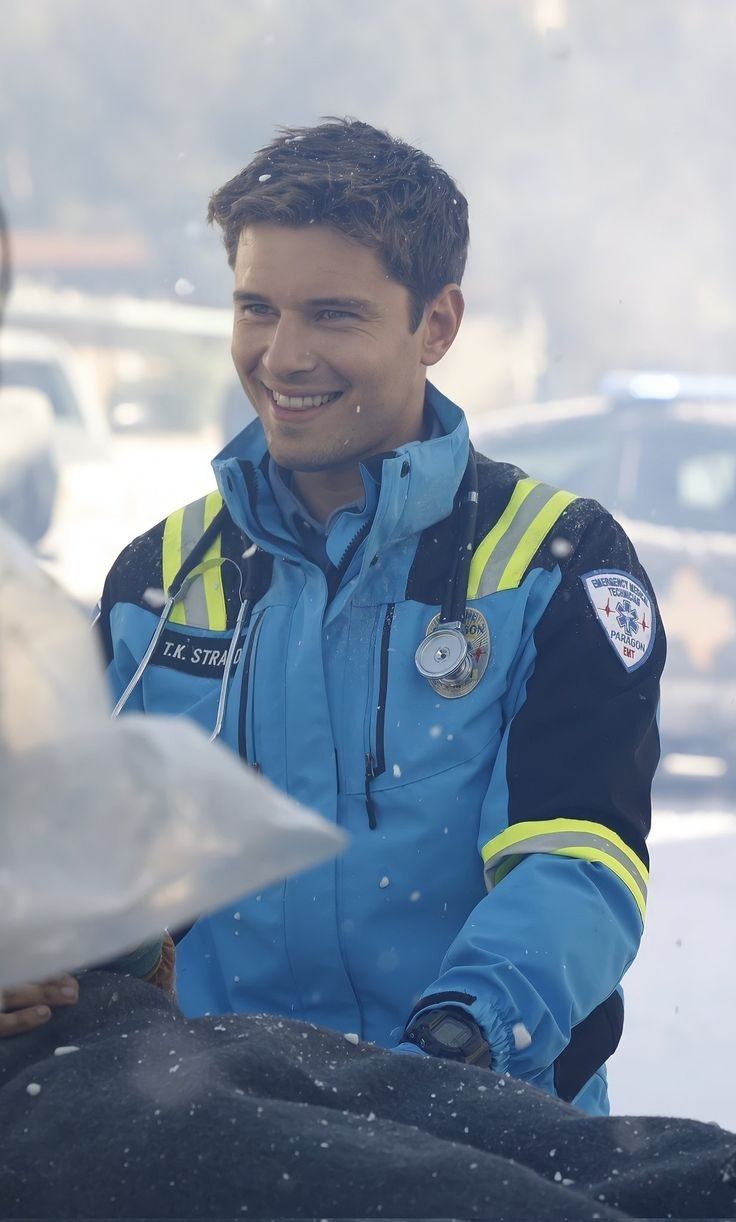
<point x="41" y="362"/>
<point x="28" y="471"/>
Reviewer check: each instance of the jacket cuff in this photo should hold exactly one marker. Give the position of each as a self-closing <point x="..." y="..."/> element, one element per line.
<point x="496" y="1030"/>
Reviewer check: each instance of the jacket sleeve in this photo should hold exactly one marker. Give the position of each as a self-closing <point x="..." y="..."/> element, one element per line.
<point x="563" y="828"/>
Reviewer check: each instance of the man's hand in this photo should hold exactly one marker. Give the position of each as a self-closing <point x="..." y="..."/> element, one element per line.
<point x="30" y="1005"/>
<point x="164" y="973"/>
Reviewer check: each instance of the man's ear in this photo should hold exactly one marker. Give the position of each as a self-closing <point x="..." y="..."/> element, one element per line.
<point x="441" y="321"/>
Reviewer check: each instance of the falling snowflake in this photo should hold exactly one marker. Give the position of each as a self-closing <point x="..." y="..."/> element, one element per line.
<point x="561" y="548"/>
<point x="154" y="598"/>
<point x="522" y="1038"/>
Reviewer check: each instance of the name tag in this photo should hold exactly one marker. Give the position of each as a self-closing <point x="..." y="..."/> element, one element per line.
<point x="195" y="655"/>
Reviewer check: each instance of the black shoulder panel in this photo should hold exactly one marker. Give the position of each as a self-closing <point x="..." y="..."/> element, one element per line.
<point x="585" y="744"/>
<point x="137" y="569"/>
<point x="563" y="541"/>
<point x="435" y="553"/>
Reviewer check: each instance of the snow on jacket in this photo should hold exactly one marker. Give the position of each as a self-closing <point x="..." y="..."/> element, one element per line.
<point x="497" y="858"/>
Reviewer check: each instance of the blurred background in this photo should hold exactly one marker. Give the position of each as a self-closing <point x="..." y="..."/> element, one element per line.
<point x="593" y="142"/>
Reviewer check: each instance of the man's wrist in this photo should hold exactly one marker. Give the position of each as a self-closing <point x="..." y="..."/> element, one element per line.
<point x="451" y="1033"/>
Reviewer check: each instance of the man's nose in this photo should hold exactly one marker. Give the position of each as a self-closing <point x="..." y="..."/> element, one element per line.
<point x="288" y="353"/>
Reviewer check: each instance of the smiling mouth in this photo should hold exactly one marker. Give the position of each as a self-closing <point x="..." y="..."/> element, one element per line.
<point x="296" y="403"/>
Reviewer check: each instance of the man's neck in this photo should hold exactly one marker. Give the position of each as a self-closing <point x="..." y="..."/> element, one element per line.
<point x="322" y="492"/>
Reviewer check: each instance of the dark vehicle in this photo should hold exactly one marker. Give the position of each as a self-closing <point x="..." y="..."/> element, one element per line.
<point x="659" y="451"/>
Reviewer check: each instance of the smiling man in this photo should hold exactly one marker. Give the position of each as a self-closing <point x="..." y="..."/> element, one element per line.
<point x="407" y="637"/>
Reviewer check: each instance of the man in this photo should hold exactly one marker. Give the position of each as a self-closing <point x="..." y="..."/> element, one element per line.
<point x="496" y="786"/>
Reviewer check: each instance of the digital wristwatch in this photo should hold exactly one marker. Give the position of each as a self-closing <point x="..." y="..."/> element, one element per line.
<point x="452" y="1034"/>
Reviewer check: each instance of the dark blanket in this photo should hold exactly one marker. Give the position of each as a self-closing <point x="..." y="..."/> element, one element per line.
<point x="158" y="1116"/>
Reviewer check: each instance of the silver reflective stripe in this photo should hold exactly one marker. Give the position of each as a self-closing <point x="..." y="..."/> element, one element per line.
<point x="510" y="540"/>
<point x="193" y="598"/>
<point x="561" y="841"/>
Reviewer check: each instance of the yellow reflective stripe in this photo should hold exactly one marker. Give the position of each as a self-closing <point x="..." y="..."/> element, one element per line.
<point x="518" y="832"/>
<point x="591" y="854"/>
<point x="558" y="836"/>
<point x="533" y="539"/>
<point x="486" y="546"/>
<point x="212" y="575"/>
<point x="212" y="506"/>
<point x="172" y="559"/>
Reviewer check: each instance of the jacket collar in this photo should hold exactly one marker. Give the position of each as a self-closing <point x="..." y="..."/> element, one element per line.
<point x="416" y="486"/>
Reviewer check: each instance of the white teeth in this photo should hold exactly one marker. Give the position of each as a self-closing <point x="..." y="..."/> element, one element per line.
<point x="296" y="401"/>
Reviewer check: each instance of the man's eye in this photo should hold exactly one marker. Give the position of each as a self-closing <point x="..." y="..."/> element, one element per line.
<point x="332" y="315"/>
<point x="256" y="308"/>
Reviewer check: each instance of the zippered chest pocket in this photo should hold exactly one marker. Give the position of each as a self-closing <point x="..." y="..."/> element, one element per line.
<point x="374" y="732"/>
<point x="409" y="732"/>
<point x="246" y="715"/>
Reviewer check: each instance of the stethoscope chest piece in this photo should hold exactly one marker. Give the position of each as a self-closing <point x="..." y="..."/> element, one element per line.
<point x="454" y="657"/>
<point x="444" y="655"/>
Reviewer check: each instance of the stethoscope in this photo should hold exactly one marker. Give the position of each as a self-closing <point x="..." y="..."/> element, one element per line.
<point x="443" y="656"/>
<point x="193" y="567"/>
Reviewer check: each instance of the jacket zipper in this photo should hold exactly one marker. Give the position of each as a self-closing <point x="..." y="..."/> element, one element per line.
<point x="375" y="756"/>
<point x="337" y="572"/>
<point x="246" y="702"/>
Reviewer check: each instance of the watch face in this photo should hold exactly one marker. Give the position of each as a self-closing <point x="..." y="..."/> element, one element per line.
<point x="452" y="1033"/>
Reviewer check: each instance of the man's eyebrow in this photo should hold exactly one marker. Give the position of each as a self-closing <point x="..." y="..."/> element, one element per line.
<point x="337" y="303"/>
<point x="343" y="303"/>
<point x="244" y="295"/>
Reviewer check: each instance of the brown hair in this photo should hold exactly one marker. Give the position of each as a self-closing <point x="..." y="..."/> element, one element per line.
<point x="377" y="190"/>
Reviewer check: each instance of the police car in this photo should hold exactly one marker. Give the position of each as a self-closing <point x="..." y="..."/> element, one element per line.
<point x="659" y="451"/>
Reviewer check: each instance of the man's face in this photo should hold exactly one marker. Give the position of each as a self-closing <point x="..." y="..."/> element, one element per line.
<point x="322" y="346"/>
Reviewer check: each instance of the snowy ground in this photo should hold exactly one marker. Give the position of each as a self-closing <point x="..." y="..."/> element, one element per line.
<point x="678" y="1051"/>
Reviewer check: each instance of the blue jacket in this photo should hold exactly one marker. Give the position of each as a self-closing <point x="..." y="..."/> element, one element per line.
<point x="497" y="857"/>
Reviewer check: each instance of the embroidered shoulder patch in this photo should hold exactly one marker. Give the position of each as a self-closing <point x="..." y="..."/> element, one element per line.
<point x="625" y="613"/>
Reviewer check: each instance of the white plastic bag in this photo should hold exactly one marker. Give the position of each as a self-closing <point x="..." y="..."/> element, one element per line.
<point x="110" y="831"/>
